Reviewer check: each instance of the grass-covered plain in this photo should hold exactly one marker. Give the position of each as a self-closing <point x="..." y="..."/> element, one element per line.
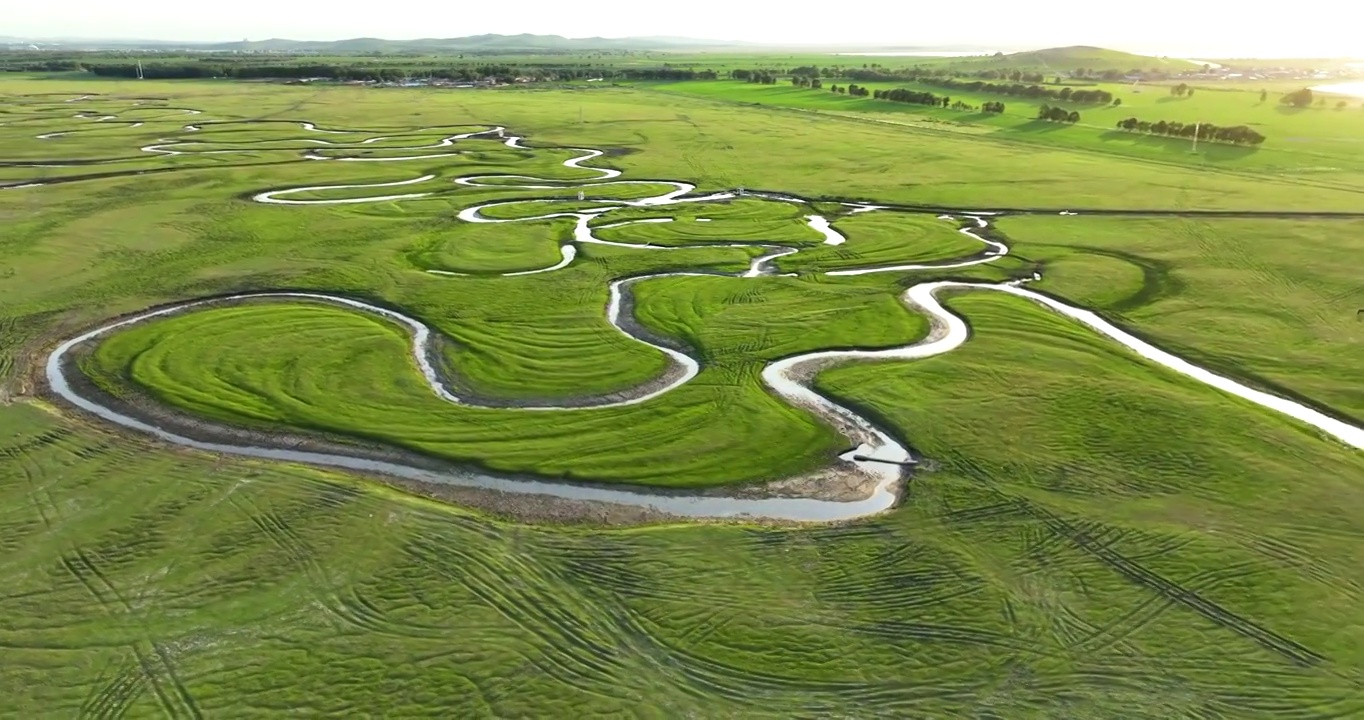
<point x="1315" y="146"/>
<point x="1100" y="538"/>
<point x="1275" y="301"/>
<point x="740" y="220"/>
<point x="881" y="238"/>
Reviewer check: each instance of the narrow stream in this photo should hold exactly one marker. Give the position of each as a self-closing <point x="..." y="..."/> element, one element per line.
<point x="878" y="455"/>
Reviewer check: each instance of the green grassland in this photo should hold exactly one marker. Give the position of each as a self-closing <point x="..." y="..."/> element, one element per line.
<point x="880" y="238"/>
<point x="745" y="220"/>
<point x="330" y="370"/>
<point x="1275" y="300"/>
<point x="1316" y="145"/>
<point x="1093" y="537"/>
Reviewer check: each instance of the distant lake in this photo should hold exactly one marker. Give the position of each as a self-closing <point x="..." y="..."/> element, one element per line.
<point x="1355" y="89"/>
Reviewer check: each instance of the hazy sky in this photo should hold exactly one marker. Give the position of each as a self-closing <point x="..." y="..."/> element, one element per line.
<point x="1305" y="28"/>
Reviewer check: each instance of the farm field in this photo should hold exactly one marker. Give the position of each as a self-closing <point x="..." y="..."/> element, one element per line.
<point x="624" y="292"/>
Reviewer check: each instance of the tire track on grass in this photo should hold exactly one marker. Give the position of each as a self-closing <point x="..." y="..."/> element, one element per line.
<point x="112" y="698"/>
<point x="572" y="651"/>
<point x="153" y="664"/>
<point x="1179" y="594"/>
<point x="346" y="605"/>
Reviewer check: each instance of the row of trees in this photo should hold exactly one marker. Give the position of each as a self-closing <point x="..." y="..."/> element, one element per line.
<point x="1017" y="76"/>
<point x="41" y="66"/>
<point x="1181" y="90"/>
<point x="911" y="96"/>
<point x="1057" y="114"/>
<point x="1065" y="94"/>
<point x="761" y="77"/>
<point x="371" y="73"/>
<point x="853" y="90"/>
<point x="1236" y="135"/>
<point x="992" y="107"/>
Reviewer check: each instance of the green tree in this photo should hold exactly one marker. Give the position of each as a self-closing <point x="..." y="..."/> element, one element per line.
<point x="1298" y="98"/>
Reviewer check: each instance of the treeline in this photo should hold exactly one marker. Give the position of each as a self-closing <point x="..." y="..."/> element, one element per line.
<point x="1065" y="94"/>
<point x="1235" y="135"/>
<point x="851" y="89"/>
<point x="370" y="73"/>
<point x="914" y="97"/>
<point x="1057" y="114"/>
<point x="664" y="73"/>
<point x="762" y="77"/>
<point x="1298" y="98"/>
<point x="877" y="73"/>
<point x="41" y="66"/>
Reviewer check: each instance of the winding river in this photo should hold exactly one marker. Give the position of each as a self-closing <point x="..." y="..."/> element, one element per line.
<point x="877" y="457"/>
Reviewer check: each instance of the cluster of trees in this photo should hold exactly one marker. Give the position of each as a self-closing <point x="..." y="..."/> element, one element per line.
<point x="1181" y="90"/>
<point x="911" y="96"/>
<point x="992" y="107"/>
<point x="1237" y="134"/>
<point x="1298" y="98"/>
<point x="813" y="83"/>
<point x="40" y="66"/>
<point x="288" y="71"/>
<point x="1057" y="114"/>
<point x="1065" y="94"/>
<point x="853" y="90"/>
<point x="660" y="73"/>
<point x="389" y="73"/>
<point x="1017" y="76"/>
<point x="761" y="77"/>
<point x="1303" y="98"/>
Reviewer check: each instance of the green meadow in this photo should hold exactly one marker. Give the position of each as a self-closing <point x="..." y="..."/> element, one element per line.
<point x="1312" y="146"/>
<point x="1088" y="536"/>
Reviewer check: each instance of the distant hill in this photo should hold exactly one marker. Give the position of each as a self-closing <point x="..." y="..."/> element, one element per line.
<point x="1081" y="56"/>
<point x="473" y="43"/>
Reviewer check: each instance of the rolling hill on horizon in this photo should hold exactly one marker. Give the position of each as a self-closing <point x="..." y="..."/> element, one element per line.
<point x="470" y="43"/>
<point x="1057" y="58"/>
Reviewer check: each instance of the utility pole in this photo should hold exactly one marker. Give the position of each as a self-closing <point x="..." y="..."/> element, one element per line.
<point x="1196" y="126"/>
<point x="139" y="70"/>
